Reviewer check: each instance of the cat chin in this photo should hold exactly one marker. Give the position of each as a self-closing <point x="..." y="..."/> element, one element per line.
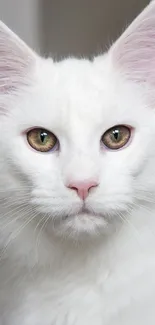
<point x="82" y="226"/>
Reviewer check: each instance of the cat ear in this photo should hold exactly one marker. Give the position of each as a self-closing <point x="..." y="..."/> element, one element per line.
<point x="15" y="60"/>
<point x="134" y="52"/>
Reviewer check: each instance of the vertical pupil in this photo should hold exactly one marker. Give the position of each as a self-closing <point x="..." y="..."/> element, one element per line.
<point x="116" y="134"/>
<point x="43" y="136"/>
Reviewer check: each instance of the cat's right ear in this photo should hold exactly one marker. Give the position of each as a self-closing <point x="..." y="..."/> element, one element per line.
<point x="16" y="60"/>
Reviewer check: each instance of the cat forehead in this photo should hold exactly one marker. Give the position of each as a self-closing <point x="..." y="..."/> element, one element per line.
<point x="69" y="73"/>
<point x="83" y="82"/>
<point x="70" y="84"/>
<point x="77" y="92"/>
<point x="76" y="82"/>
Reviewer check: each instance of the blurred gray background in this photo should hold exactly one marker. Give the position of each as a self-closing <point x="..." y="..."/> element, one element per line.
<point x="69" y="27"/>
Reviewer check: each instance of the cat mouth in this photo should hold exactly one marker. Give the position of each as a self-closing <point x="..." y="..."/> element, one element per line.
<point x="83" y="212"/>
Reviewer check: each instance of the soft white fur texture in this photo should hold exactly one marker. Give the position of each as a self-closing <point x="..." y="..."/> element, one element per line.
<point x="60" y="266"/>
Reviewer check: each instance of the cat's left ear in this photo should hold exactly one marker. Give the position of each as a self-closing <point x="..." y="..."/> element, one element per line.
<point x="16" y="61"/>
<point x="134" y="52"/>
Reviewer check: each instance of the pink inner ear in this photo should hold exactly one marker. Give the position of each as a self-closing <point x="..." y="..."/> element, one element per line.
<point x="15" y="59"/>
<point x="11" y="71"/>
<point x="134" y="52"/>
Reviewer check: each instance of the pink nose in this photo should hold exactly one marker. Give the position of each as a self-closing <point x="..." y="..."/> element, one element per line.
<point x="82" y="188"/>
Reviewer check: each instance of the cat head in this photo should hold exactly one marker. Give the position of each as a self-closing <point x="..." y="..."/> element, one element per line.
<point x="76" y="136"/>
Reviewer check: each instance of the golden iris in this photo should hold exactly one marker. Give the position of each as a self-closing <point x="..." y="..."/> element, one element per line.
<point x="41" y="140"/>
<point x="116" y="137"/>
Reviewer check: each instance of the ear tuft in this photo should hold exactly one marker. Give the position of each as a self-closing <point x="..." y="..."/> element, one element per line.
<point x="134" y="52"/>
<point x="15" y="60"/>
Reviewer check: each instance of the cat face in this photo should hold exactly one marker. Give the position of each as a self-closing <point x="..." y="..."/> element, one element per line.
<point x="57" y="158"/>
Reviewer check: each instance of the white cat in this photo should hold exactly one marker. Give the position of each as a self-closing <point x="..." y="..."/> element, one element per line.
<point x="77" y="183"/>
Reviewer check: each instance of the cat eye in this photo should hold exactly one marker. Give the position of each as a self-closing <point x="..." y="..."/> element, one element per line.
<point x="116" y="137"/>
<point x="41" y="140"/>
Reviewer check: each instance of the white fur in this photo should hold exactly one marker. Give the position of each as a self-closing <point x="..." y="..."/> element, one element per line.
<point x="59" y="266"/>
